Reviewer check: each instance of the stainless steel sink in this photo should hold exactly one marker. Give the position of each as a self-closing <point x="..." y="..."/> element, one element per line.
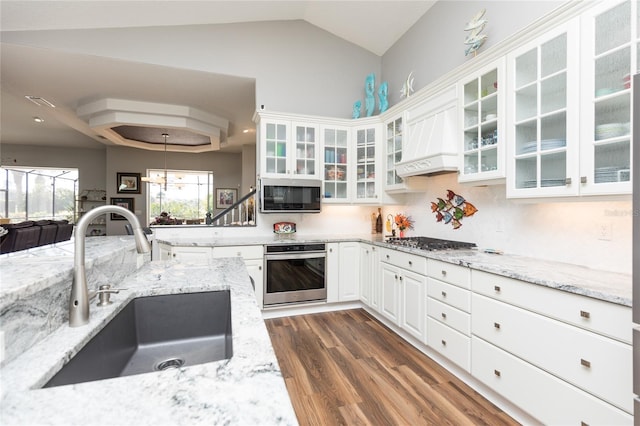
<point x="155" y="333"/>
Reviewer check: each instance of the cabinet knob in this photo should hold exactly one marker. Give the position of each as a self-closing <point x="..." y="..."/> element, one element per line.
<point x="366" y="251"/>
<point x="400" y="278"/>
<point x="585" y="314"/>
<point x="444" y="316"/>
<point x="410" y="263"/>
<point x="330" y="250"/>
<point x="496" y="325"/>
<point x="444" y="342"/>
<point x="583" y="179"/>
<point x="496" y="288"/>
<point x="444" y="273"/>
<point x="387" y="256"/>
<point x="239" y="254"/>
<point x="585" y="363"/>
<point x="259" y="268"/>
<point x="444" y="294"/>
<point x="396" y="277"/>
<point x="174" y="255"/>
<point x="496" y="372"/>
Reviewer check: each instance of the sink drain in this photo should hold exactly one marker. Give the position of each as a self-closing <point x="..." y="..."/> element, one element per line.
<point x="169" y="363"/>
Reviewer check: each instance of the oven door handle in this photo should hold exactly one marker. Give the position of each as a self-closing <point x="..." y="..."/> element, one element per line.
<point x="293" y="255"/>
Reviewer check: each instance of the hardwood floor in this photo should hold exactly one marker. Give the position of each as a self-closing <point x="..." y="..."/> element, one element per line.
<point x="346" y="368"/>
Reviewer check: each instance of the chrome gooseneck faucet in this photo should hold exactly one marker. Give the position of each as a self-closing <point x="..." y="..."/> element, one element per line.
<point x="79" y="303"/>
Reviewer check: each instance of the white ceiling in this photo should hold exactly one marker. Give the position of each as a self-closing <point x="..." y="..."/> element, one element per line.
<point x="22" y="66"/>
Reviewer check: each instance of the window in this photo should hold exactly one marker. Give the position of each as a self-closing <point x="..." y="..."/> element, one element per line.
<point x="188" y="194"/>
<point x="30" y="193"/>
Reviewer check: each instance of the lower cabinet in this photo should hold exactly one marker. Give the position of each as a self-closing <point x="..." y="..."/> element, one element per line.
<point x="369" y="290"/>
<point x="253" y="257"/>
<point x="544" y="396"/>
<point x="343" y="272"/>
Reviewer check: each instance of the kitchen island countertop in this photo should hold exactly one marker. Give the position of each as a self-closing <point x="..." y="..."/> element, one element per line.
<point x="246" y="389"/>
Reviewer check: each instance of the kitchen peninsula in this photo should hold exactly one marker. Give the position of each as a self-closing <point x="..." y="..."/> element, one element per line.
<point x="223" y="392"/>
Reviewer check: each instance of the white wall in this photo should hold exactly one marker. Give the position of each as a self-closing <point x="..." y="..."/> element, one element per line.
<point x="90" y="162"/>
<point x="435" y="43"/>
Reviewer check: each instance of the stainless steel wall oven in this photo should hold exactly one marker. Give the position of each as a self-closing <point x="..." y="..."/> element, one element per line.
<point x="294" y="273"/>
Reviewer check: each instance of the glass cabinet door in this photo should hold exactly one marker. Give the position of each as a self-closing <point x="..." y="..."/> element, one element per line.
<point x="305" y="150"/>
<point x="611" y="61"/>
<point x="366" y="163"/>
<point x="336" y="160"/>
<point x="275" y="140"/>
<point x="481" y="115"/>
<point x="394" y="151"/>
<point x="544" y="116"/>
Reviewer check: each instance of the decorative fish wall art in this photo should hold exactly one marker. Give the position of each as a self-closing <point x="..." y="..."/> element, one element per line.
<point x="453" y="209"/>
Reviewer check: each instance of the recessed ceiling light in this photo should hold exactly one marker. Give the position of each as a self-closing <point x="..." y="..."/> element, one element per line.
<point x="40" y="101"/>
<point x="38" y="119"/>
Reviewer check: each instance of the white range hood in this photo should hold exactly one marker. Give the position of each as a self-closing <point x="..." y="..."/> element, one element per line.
<point x="431" y="143"/>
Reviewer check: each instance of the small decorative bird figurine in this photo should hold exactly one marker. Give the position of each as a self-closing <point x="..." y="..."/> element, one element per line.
<point x="407" y="87"/>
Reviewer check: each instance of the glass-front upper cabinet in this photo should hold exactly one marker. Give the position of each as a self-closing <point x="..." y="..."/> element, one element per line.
<point x="275" y="141"/>
<point x="610" y="57"/>
<point x="305" y="155"/>
<point x="482" y="108"/>
<point x="287" y="148"/>
<point x="336" y="163"/>
<point x="366" y="167"/>
<point x="393" y="151"/>
<point x="542" y="118"/>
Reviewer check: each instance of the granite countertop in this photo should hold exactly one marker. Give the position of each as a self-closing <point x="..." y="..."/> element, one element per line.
<point x="246" y="389"/>
<point x="604" y="285"/>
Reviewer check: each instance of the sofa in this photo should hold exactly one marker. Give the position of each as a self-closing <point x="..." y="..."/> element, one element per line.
<point x="28" y="234"/>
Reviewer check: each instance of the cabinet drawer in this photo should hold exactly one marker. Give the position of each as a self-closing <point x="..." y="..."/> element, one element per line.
<point x="602" y="317"/>
<point x="450" y="273"/>
<point x="454" y="318"/>
<point x="410" y="262"/>
<point x="449" y="294"/>
<point x="542" y="395"/>
<point x="448" y="342"/>
<point x="245" y="252"/>
<point x="594" y="363"/>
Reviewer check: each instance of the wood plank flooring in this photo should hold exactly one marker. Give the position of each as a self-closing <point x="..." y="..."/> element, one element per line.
<point x="347" y="368"/>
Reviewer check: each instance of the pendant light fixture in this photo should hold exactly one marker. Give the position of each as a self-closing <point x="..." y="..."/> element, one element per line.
<point x="160" y="180"/>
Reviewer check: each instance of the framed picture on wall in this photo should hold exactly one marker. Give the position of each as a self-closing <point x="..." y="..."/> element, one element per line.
<point x="128" y="183"/>
<point x="127" y="203"/>
<point x="225" y="197"/>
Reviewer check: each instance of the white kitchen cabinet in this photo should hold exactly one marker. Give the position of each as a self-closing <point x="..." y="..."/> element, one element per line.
<point x="545" y="397"/>
<point x="369" y="289"/>
<point x="393" y="151"/>
<point x="482" y="109"/>
<point x="343" y="272"/>
<point x="367" y="162"/>
<point x="168" y="252"/>
<point x="253" y="257"/>
<point x="337" y="165"/>
<point x="412" y="298"/>
<point x="403" y="289"/>
<point x="390" y="292"/>
<point x="543" y="115"/>
<point x="610" y="56"/>
<point x="288" y="148"/>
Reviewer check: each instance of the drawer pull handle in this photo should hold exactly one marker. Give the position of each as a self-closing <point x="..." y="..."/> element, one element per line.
<point x="585" y="362"/>
<point x="496" y="288"/>
<point x="496" y="372"/>
<point x="444" y="294"/>
<point x="444" y="273"/>
<point x="444" y="316"/>
<point x="585" y="314"/>
<point x="444" y="342"/>
<point x="496" y="325"/>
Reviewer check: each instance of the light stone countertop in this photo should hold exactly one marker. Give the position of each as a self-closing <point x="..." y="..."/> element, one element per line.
<point x="247" y="389"/>
<point x="603" y="285"/>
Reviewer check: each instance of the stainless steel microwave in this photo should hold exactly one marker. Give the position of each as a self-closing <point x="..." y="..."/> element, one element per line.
<point x="290" y="195"/>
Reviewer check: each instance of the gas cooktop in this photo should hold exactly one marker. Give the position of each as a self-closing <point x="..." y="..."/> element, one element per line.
<point x="428" y="243"/>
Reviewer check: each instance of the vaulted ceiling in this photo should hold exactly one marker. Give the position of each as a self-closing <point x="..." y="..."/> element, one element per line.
<point x="22" y="65"/>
